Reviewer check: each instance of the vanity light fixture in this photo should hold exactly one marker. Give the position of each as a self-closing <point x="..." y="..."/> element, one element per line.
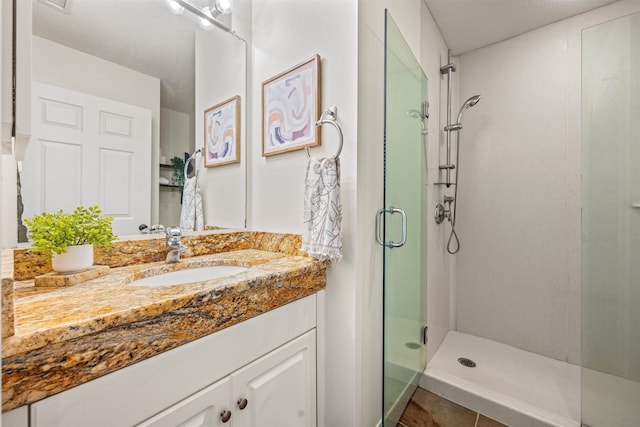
<point x="206" y="24"/>
<point x="174" y="7"/>
<point x="221" y="7"/>
<point x="206" y="15"/>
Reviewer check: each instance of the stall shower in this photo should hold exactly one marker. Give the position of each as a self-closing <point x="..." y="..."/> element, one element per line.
<point x="544" y="289"/>
<point x="532" y="319"/>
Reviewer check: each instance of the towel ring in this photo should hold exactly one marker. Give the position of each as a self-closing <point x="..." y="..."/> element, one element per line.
<point x="332" y="113"/>
<point x="192" y="157"/>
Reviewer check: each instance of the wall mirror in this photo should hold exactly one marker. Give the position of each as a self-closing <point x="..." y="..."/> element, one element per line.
<point x="119" y="88"/>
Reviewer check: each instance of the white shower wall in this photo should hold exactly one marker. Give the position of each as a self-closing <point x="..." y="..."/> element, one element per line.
<point x="513" y="218"/>
<point x="440" y="266"/>
<point x="518" y="272"/>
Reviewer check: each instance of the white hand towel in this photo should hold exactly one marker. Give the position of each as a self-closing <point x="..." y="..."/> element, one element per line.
<point x="322" y="236"/>
<point x="191" y="217"/>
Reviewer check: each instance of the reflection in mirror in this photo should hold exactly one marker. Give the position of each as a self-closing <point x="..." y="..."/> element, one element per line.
<point x="119" y="89"/>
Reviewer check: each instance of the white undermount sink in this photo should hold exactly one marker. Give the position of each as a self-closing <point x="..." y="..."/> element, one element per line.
<point x="189" y="275"/>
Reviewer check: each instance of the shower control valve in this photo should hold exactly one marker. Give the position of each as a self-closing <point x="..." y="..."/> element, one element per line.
<point x="443" y="213"/>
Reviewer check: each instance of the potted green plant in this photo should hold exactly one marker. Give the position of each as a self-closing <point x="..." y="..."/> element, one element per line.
<point x="68" y="238"/>
<point x="178" y="171"/>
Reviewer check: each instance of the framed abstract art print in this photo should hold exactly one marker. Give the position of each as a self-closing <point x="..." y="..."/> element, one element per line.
<point x="222" y="133"/>
<point x="290" y="108"/>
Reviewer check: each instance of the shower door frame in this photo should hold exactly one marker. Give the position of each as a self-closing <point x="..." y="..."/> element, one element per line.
<point x="404" y="266"/>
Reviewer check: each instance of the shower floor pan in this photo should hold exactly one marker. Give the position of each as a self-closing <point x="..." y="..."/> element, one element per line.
<point x="515" y="387"/>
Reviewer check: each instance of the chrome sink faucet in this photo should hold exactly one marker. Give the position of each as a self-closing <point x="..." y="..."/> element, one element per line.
<point x="174" y="244"/>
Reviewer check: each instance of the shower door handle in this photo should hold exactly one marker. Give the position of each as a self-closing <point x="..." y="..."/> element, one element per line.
<point x="379" y="218"/>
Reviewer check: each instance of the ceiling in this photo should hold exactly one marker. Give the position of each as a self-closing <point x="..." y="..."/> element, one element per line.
<point x="471" y="24"/>
<point x="142" y="35"/>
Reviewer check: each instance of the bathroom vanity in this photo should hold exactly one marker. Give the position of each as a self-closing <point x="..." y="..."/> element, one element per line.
<point x="227" y="351"/>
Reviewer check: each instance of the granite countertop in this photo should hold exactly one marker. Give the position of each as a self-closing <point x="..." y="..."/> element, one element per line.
<point x="67" y="336"/>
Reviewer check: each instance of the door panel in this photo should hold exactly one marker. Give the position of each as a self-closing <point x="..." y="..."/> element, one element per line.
<point x="404" y="194"/>
<point x="203" y="409"/>
<point x="610" y="341"/>
<point x="279" y="388"/>
<point x="61" y="187"/>
<point x="87" y="150"/>
<point x="115" y="192"/>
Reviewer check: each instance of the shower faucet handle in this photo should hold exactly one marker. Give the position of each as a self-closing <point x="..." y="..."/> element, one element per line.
<point x="449" y="199"/>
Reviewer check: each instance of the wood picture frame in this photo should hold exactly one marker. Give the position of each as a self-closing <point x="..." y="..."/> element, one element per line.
<point x="222" y="133"/>
<point x="290" y="108"/>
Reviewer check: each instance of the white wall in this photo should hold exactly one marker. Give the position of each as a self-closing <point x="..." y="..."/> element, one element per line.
<point x="8" y="166"/>
<point x="285" y="33"/>
<point x="176" y="138"/>
<point x="512" y="217"/>
<point x="5" y="73"/>
<point x="519" y="217"/>
<point x="440" y="266"/>
<point x="58" y="65"/>
<point x="3" y="96"/>
<point x="23" y="77"/>
<point x="10" y="203"/>
<point x="176" y="133"/>
<point x="220" y="75"/>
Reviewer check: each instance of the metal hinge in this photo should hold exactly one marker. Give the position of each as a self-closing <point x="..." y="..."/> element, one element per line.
<point x="425" y="109"/>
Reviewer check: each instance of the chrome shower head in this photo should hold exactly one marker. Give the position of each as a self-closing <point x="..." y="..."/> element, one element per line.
<point x="467" y="104"/>
<point x="473" y="100"/>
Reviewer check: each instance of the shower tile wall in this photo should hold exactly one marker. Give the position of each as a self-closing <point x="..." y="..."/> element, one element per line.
<point x="439" y="265"/>
<point x="519" y="219"/>
<point x="513" y="219"/>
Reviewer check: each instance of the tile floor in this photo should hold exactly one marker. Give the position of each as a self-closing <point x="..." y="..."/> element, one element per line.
<point x="426" y="409"/>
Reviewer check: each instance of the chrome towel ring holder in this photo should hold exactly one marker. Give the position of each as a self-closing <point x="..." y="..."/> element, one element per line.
<point x="191" y="158"/>
<point x="329" y="116"/>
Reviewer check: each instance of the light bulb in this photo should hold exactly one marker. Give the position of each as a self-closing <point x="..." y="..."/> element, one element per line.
<point x="175" y="7"/>
<point x="222" y="6"/>
<point x="205" y="24"/>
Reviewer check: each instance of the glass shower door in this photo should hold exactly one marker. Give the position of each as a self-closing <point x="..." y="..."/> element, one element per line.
<point x="404" y="251"/>
<point x="611" y="223"/>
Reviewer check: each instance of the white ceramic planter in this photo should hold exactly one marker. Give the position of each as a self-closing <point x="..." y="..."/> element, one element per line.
<point x="77" y="258"/>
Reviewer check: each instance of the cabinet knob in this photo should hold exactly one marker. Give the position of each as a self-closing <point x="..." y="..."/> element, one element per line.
<point x="242" y="403"/>
<point x="225" y="416"/>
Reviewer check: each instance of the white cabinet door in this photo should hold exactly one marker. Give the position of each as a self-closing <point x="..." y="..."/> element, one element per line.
<point x="279" y="388"/>
<point x="207" y="408"/>
<point x="16" y="418"/>
<point x="147" y="388"/>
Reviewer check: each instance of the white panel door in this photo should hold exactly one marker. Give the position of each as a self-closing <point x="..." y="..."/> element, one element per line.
<point x="87" y="150"/>
<point x="279" y="388"/>
<point x="207" y="408"/>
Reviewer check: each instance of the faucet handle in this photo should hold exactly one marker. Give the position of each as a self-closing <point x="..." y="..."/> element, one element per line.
<point x="174" y="232"/>
<point x="156" y="229"/>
